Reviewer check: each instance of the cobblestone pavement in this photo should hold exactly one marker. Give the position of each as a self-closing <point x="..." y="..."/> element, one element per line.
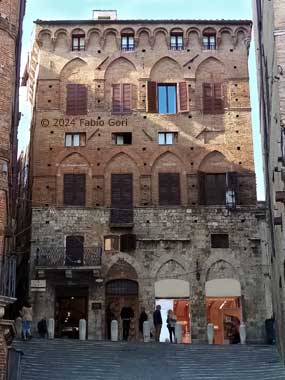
<point x="75" y="360"/>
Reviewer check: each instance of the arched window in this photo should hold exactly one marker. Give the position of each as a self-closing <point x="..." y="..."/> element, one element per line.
<point x="209" y="40"/>
<point x="78" y="41"/>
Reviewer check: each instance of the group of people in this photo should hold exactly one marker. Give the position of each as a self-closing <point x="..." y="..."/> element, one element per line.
<point x="127" y="314"/>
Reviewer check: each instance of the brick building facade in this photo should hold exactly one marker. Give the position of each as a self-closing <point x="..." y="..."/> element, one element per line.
<point x="143" y="177"/>
<point x="269" y="20"/>
<point x="11" y="18"/>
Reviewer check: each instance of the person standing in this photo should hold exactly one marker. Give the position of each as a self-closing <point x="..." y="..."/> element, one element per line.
<point x="157" y="321"/>
<point x="110" y="316"/>
<point x="171" y="322"/>
<point x="143" y="317"/>
<point x="27" y="316"/>
<point x="127" y="314"/>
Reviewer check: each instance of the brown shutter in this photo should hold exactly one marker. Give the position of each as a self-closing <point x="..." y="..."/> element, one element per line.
<point x="151" y="97"/>
<point x="201" y="180"/>
<point x="218" y="101"/>
<point x="169" y="188"/>
<point x="128" y="243"/>
<point x="126" y="98"/>
<point x="207" y="98"/>
<point x="74" y="250"/>
<point x="76" y="99"/>
<point x="116" y="98"/>
<point x="121" y="198"/>
<point x="183" y="100"/>
<point x="74" y="189"/>
<point x="215" y="189"/>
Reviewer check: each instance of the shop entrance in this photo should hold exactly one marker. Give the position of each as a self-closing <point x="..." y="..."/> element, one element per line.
<point x="120" y="293"/>
<point x="223" y="308"/>
<point x="71" y="306"/>
<point x="172" y="294"/>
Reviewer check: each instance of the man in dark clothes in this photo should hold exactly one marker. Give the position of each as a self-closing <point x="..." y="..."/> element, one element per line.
<point x="157" y="321"/>
<point x="127" y="314"/>
<point x="142" y="319"/>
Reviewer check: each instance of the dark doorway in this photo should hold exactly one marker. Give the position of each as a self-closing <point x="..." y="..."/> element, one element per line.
<point x="74" y="250"/>
<point x="70" y="307"/>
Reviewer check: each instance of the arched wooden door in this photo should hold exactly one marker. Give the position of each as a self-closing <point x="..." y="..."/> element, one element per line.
<point x="120" y="293"/>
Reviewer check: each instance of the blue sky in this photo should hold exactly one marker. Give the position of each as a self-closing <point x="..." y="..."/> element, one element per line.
<point x="147" y="9"/>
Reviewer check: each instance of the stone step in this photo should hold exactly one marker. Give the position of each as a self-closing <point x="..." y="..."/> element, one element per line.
<point x="76" y="360"/>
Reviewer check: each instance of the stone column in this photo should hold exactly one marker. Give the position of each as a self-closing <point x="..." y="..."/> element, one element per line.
<point x="198" y="317"/>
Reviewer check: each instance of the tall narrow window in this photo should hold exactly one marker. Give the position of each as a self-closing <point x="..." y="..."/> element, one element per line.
<point x="76" y="99"/>
<point x="78" y="42"/>
<point x="122" y="98"/>
<point x="176" y="41"/>
<point x="121" y="199"/>
<point x="213" y="99"/>
<point x="74" y="189"/>
<point x="209" y="41"/>
<point x="169" y="189"/>
<point x="128" y="42"/>
<point x="167" y="98"/>
<point x="74" y="250"/>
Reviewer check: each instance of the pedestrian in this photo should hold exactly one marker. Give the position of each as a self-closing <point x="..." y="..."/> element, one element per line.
<point x="127" y="314"/>
<point x="110" y="316"/>
<point x="27" y="316"/>
<point x="171" y="322"/>
<point x="143" y="317"/>
<point x="157" y="321"/>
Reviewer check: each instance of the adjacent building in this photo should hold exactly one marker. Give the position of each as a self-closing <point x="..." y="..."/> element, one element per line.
<point x="270" y="40"/>
<point x="11" y="18"/>
<point x="142" y="172"/>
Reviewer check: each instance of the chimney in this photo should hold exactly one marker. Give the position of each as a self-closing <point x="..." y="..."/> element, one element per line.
<point x="98" y="14"/>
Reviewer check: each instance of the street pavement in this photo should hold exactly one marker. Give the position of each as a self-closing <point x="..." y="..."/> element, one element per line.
<point x="90" y="360"/>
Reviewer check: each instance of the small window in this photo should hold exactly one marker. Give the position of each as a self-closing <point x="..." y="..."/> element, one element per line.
<point x="124" y="138"/>
<point x="176" y="41"/>
<point x="111" y="243"/>
<point x="128" y="42"/>
<point x="75" y="139"/>
<point x="167" y="98"/>
<point x="78" y="42"/>
<point x="122" y="98"/>
<point x="209" y="42"/>
<point x="219" y="241"/>
<point x="167" y="138"/>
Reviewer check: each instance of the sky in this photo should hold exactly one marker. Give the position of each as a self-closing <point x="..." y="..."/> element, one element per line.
<point x="143" y="9"/>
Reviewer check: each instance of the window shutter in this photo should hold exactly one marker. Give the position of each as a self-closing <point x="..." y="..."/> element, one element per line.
<point x="126" y="97"/>
<point x="215" y="189"/>
<point x="116" y="98"/>
<point x="74" y="189"/>
<point x="151" y="97"/>
<point x="201" y="181"/>
<point x="121" y="198"/>
<point x="128" y="243"/>
<point x="182" y="96"/>
<point x="207" y="98"/>
<point x="74" y="250"/>
<point x="218" y="98"/>
<point x="76" y="99"/>
<point x="169" y="189"/>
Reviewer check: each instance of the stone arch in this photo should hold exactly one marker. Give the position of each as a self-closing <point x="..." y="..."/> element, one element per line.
<point x="123" y="257"/>
<point x="241" y="36"/>
<point x="145" y="31"/>
<point x="177" y="30"/>
<point x="72" y="65"/>
<point x="209" y="30"/>
<point x="221" y="269"/>
<point x="110" y="30"/>
<point x="122" y="163"/>
<point x="167" y="155"/>
<point x="166" y="69"/>
<point x="121" y="270"/>
<point x="77" y="31"/>
<point x="62" y="40"/>
<point x="226" y="40"/>
<point x="170" y="269"/>
<point x="45" y="37"/>
<point x="76" y="158"/>
<point x="144" y="38"/>
<point x="158" y="264"/>
<point x="211" y="69"/>
<point x="110" y="38"/>
<point x="93" y="39"/>
<point x="215" y="162"/>
<point x="127" y="30"/>
<point x="194" y="38"/>
<point x="160" y="38"/>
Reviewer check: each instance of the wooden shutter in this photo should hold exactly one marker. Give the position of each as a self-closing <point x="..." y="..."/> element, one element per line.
<point x="116" y="98"/>
<point x="169" y="188"/>
<point x="151" y="97"/>
<point x="207" y="98"/>
<point x="74" y="189"/>
<point x="126" y="98"/>
<point x="218" y="101"/>
<point x="121" y="198"/>
<point x="182" y="96"/>
<point x="76" y="99"/>
<point x="128" y="242"/>
<point x="201" y="180"/>
<point x="215" y="189"/>
<point x="74" y="250"/>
